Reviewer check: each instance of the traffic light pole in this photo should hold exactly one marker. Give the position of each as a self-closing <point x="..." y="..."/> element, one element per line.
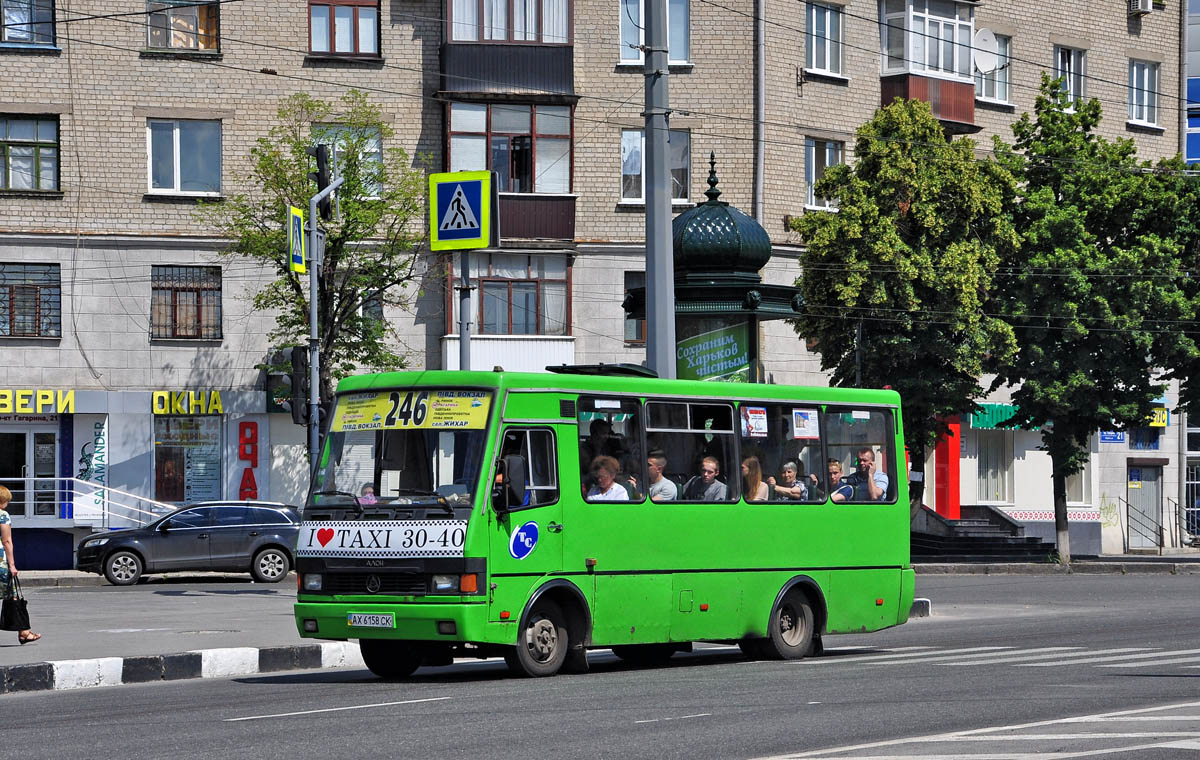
<point x="316" y="247"/>
<point x="660" y="267"/>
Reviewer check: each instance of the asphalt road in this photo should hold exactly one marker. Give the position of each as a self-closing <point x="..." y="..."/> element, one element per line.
<point x="1005" y="658"/>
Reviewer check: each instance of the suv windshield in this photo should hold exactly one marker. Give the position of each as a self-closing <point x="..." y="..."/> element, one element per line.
<point x="417" y="446"/>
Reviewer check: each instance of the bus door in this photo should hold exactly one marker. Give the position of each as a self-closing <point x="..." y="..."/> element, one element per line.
<point x="526" y="540"/>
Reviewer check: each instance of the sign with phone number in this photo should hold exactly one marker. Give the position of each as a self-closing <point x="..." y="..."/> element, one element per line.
<point x="380" y="539"/>
<point x="415" y="409"/>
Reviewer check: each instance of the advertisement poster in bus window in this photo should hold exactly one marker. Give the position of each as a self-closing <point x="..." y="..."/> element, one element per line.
<point x="413" y="409"/>
<point x="754" y="422"/>
<point x="804" y="424"/>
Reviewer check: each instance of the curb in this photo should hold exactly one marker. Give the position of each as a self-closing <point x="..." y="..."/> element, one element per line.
<point x="200" y="663"/>
<point x="1077" y="568"/>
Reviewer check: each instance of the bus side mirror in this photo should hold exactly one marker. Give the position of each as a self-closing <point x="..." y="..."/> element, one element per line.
<point x="509" y="488"/>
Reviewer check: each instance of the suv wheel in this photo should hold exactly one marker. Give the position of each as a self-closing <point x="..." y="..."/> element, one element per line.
<point x="123" y="568"/>
<point x="270" y="565"/>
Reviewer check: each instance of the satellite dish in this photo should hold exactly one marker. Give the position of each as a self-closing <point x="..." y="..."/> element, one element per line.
<point x="985" y="51"/>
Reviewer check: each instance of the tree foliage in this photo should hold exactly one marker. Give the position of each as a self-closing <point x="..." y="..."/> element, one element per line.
<point x="1096" y="291"/>
<point x="895" y="281"/>
<point x="370" y="245"/>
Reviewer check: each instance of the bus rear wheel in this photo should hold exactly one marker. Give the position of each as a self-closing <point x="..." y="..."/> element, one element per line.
<point x="542" y="643"/>
<point x="791" y="627"/>
<point x="389" y="659"/>
<point x="644" y="654"/>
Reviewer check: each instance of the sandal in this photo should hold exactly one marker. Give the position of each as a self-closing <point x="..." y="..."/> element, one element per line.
<point x="32" y="637"/>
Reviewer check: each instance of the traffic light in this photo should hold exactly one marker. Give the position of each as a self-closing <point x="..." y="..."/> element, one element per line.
<point x="300" y="384"/>
<point x="321" y="177"/>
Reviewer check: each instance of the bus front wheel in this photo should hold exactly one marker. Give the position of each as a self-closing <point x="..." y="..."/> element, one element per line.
<point x="389" y="659"/>
<point x="542" y="644"/>
<point x="791" y="627"/>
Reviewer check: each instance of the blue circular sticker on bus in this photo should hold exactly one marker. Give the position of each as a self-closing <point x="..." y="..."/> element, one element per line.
<point x="523" y="540"/>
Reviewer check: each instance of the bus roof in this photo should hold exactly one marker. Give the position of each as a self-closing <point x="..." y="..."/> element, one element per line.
<point x="501" y="380"/>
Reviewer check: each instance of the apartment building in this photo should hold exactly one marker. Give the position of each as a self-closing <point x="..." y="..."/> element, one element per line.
<point x="130" y="346"/>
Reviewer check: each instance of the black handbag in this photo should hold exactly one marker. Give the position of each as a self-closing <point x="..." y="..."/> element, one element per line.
<point x="14" y="616"/>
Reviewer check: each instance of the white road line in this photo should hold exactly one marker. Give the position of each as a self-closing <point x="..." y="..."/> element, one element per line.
<point x="679" y="717"/>
<point x="972" y="659"/>
<point x="874" y="657"/>
<point x="1153" y="663"/>
<point x="335" y="709"/>
<point x="1015" y="656"/>
<point x="1155" y="719"/>
<point x="1114" y="658"/>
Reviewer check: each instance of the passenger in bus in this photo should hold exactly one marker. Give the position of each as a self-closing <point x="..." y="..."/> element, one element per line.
<point x="754" y="487"/>
<point x="789" y="487"/>
<point x="662" y="488"/>
<point x="600" y="441"/>
<point x="604" y="470"/>
<point x="367" y="494"/>
<point x="705" y="486"/>
<point x="866" y="483"/>
<point x="627" y="476"/>
<point x="835" y="475"/>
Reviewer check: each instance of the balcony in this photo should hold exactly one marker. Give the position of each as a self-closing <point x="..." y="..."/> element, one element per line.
<point x="516" y="353"/>
<point x="537" y="216"/>
<point x="953" y="102"/>
<point x="509" y="70"/>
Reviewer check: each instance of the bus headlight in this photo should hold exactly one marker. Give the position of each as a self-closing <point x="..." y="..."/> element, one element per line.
<point x="312" y="582"/>
<point x="445" y="584"/>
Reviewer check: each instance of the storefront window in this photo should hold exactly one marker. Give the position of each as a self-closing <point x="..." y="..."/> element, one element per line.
<point x="187" y="458"/>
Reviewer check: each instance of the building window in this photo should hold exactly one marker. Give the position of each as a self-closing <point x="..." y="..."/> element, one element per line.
<point x="635" y="329"/>
<point x="1143" y="92"/>
<point x="1193" y="137"/>
<point x="185" y="156"/>
<point x="994" y="84"/>
<point x="819" y="155"/>
<point x="928" y="36"/>
<point x="30" y="301"/>
<point x="995" y="465"/>
<point x="1144" y="438"/>
<point x="344" y="27"/>
<point x="633" y="31"/>
<point x="544" y="21"/>
<point x="516" y="294"/>
<point x="182" y="25"/>
<point x="29" y="22"/>
<point x="187" y="458"/>
<point x="366" y="142"/>
<point x="633" y="165"/>
<point x="823" y="48"/>
<point x="29" y="147"/>
<point x="185" y="302"/>
<point x="1068" y="64"/>
<point x="529" y="147"/>
<point x="1079" y="486"/>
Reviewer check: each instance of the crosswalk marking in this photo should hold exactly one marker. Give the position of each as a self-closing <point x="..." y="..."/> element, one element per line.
<point x="1058" y="657"/>
<point x="875" y="657"/>
<point x="1114" y="658"/>
<point x="973" y="659"/>
<point x="1155" y="663"/>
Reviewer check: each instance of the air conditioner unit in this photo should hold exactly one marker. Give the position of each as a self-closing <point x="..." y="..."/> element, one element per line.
<point x="1140" y="7"/>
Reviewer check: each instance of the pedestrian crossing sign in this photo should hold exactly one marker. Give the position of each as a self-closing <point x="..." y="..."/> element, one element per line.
<point x="297" y="241"/>
<point x="460" y="210"/>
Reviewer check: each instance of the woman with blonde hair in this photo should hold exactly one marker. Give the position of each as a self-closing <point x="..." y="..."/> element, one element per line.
<point x="8" y="562"/>
<point x="756" y="489"/>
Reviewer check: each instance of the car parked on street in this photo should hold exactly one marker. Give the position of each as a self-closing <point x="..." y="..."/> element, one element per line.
<point x="241" y="536"/>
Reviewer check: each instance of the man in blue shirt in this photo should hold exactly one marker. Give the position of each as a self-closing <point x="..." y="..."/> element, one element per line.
<point x="864" y="484"/>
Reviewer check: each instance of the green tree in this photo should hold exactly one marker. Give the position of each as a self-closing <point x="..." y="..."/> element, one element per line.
<point x="895" y="282"/>
<point x="370" y="245"/>
<point x="1094" y="293"/>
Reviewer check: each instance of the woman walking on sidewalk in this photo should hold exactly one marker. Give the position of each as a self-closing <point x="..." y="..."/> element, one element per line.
<point x="8" y="562"/>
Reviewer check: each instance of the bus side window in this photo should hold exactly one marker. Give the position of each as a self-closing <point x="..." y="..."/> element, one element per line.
<point x="612" y="427"/>
<point x="697" y="440"/>
<point x="785" y="442"/>
<point x="862" y="441"/>
<point x="536" y="446"/>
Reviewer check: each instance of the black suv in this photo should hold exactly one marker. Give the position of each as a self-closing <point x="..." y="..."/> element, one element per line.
<point x="254" y="536"/>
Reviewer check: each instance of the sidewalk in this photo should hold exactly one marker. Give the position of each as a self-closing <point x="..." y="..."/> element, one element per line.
<point x="98" y="645"/>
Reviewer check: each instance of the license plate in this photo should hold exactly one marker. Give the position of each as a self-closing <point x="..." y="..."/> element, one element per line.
<point x="378" y="620"/>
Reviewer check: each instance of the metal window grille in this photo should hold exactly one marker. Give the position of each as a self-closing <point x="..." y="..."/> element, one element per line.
<point x="185" y="302"/>
<point x="30" y="301"/>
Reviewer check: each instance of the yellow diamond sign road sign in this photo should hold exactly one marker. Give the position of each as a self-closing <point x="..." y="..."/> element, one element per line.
<point x="460" y="210"/>
<point x="296" y="240"/>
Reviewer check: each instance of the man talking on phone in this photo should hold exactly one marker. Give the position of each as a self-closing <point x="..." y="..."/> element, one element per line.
<point x="866" y="483"/>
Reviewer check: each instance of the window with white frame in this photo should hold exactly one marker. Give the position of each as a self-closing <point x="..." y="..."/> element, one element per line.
<point x="823" y="39"/>
<point x="517" y="294"/>
<point x="633" y="165"/>
<point x="635" y="329"/>
<point x="633" y="31"/>
<point x="1143" y="92"/>
<point x="995" y="465"/>
<point x="184" y="156"/>
<point x="29" y="152"/>
<point x="528" y="146"/>
<point x="182" y="25"/>
<point x="993" y="85"/>
<point x="365" y="143"/>
<point x="1068" y="64"/>
<point x="819" y="155"/>
<point x="543" y="21"/>
<point x="1079" y="485"/>
<point x="27" y="22"/>
<point x="344" y="27"/>
<point x="928" y="36"/>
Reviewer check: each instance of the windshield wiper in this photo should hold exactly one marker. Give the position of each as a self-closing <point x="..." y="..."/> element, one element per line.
<point x="357" y="504"/>
<point x="441" y="500"/>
